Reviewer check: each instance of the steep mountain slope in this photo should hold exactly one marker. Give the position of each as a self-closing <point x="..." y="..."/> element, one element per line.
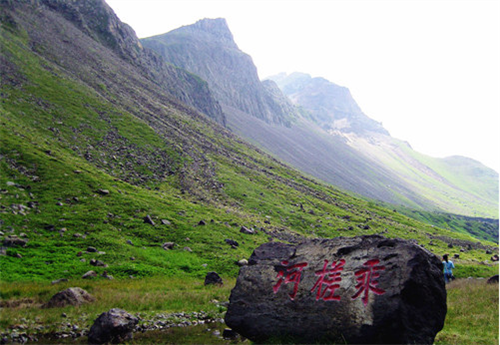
<point x="102" y="169"/>
<point x="97" y="20"/>
<point x="330" y="138"/>
<point x="456" y="184"/>
<point x="331" y="106"/>
<point x="230" y="73"/>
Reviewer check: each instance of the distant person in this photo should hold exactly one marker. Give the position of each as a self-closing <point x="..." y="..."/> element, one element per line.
<point x="448" y="266"/>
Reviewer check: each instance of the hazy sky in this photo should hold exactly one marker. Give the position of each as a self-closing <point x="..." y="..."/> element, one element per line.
<point x="429" y="70"/>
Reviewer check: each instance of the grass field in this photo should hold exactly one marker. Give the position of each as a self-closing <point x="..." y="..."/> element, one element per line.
<point x="472" y="310"/>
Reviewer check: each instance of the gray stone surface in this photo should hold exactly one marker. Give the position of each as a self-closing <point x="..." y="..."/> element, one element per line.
<point x="366" y="289"/>
<point x="113" y="326"/>
<point x="72" y="296"/>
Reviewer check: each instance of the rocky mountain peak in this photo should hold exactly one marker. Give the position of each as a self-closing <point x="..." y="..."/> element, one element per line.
<point x="331" y="106"/>
<point x="97" y="20"/>
<point x="217" y="29"/>
<point x="208" y="50"/>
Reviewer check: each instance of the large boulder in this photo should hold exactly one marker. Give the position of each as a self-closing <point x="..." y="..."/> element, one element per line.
<point x="114" y="326"/>
<point x="72" y="296"/>
<point x="362" y="290"/>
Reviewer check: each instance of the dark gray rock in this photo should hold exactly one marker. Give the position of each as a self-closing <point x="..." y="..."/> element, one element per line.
<point x="247" y="231"/>
<point x="14" y="241"/>
<point x="149" y="220"/>
<point x="212" y="278"/>
<point x="369" y="290"/>
<point x="89" y="275"/>
<point x="72" y="296"/>
<point x="229" y="334"/>
<point x="114" y="326"/>
<point x="168" y="245"/>
<point x="98" y="263"/>
<point x="231" y="242"/>
<point x="493" y="280"/>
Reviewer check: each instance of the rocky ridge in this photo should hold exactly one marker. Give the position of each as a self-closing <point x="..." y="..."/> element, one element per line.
<point x="207" y="49"/>
<point x="330" y="105"/>
<point x="97" y="20"/>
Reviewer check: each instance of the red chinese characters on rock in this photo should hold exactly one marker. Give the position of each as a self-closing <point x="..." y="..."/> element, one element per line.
<point x="329" y="278"/>
<point x="293" y="274"/>
<point x="367" y="280"/>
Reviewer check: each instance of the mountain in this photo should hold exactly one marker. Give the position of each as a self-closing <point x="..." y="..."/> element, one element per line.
<point x="207" y="49"/>
<point x="331" y="106"/>
<point x="97" y="21"/>
<point x="104" y="167"/>
<point x="326" y="135"/>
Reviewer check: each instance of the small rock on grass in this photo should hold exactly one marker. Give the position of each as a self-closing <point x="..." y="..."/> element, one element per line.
<point x="73" y="296"/>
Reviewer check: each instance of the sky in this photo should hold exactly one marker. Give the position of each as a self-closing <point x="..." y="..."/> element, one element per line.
<point x="428" y="70"/>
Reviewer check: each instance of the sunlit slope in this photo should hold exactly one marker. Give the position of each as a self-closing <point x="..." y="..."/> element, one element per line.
<point x="455" y="185"/>
<point x="92" y="151"/>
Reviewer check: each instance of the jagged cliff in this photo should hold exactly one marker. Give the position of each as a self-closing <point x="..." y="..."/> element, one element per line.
<point x="327" y="134"/>
<point x="207" y="49"/>
<point x="98" y="21"/>
<point x="330" y="105"/>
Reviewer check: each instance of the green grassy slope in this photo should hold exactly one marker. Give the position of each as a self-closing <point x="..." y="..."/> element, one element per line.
<point x="83" y="162"/>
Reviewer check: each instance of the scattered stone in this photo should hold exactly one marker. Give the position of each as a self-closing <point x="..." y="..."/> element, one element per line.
<point x="91" y="250"/>
<point x="73" y="296"/>
<point x="489" y="252"/>
<point x="231" y="242"/>
<point x="202" y="223"/>
<point x="89" y="275"/>
<point x="229" y="334"/>
<point x="14" y="241"/>
<point x="114" y="326"/>
<point x="456" y="256"/>
<point x="132" y="258"/>
<point x="168" y="245"/>
<point x="130" y="242"/>
<point x="165" y="222"/>
<point x="103" y="191"/>
<point x="98" y="263"/>
<point x="57" y="281"/>
<point x="247" y="231"/>
<point x="212" y="278"/>
<point x="149" y="220"/>
<point x="243" y="262"/>
<point x="187" y="249"/>
<point x="493" y="280"/>
<point x="361" y="290"/>
<point x="107" y="276"/>
<point x="494" y="258"/>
